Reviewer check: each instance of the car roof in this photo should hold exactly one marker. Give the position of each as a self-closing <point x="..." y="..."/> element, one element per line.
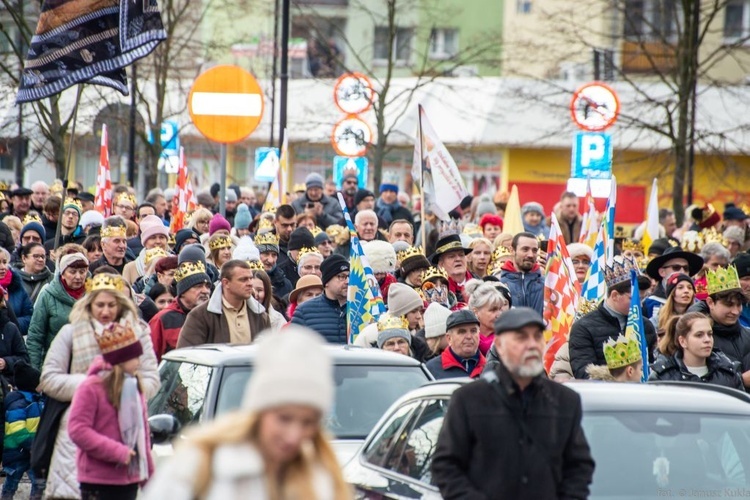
<point x="610" y="396"/>
<point x="242" y="355"/>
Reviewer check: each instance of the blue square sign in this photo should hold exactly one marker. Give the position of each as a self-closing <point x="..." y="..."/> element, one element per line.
<point x="342" y="163"/>
<point x="266" y="164"/>
<point x="592" y="156"/>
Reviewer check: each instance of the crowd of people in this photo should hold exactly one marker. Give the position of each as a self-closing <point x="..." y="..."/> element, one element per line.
<point x="87" y="314"/>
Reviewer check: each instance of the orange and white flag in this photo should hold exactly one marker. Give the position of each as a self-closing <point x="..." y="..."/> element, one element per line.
<point x="103" y="198"/>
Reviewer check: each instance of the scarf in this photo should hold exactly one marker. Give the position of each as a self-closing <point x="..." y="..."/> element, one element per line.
<point x="385" y="210"/>
<point x="133" y="428"/>
<point x="76" y="294"/>
<point x="5" y="281"/>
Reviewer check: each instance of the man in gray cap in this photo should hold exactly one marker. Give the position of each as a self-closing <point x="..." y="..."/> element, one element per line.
<point x="325" y="209"/>
<point x="462" y="357"/>
<point x="515" y="422"/>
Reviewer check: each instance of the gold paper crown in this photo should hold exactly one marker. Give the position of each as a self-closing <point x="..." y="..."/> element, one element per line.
<point x="105" y="281"/>
<point x="622" y="352"/>
<point x="31" y="218"/>
<point x="586" y="306"/>
<point x="432" y="273"/>
<point x="188" y="269"/>
<point x="73" y="202"/>
<point x="266" y="239"/>
<point x="722" y="280"/>
<point x="408" y="253"/>
<point x="126" y="197"/>
<point x="114" y="231"/>
<point x="390" y="322"/>
<point x="56" y="187"/>
<point x="116" y="337"/>
<point x="692" y="241"/>
<point x="154" y="253"/>
<point x="316" y="231"/>
<point x="632" y="246"/>
<point x="256" y="265"/>
<point x="306" y="250"/>
<point x="220" y="241"/>
<point x="620" y="270"/>
<point x="711" y="235"/>
<point x="265" y="224"/>
<point x="501" y="252"/>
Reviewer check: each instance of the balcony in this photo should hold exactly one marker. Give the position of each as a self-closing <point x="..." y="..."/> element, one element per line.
<point x="646" y="57"/>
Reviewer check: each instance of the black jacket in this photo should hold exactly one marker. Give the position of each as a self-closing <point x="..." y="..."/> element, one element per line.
<point x="733" y="341"/>
<point x="721" y="370"/>
<point x="589" y="333"/>
<point x="498" y="443"/>
<point x="280" y="283"/>
<point x="12" y="346"/>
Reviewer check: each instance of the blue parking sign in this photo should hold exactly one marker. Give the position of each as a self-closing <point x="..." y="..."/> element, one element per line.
<point x="592" y="156"/>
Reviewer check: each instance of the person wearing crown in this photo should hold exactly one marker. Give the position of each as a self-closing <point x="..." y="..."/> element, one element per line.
<point x="114" y="245"/>
<point x="154" y="234"/>
<point x="105" y="307"/>
<point x="70" y="231"/>
<point x="412" y="264"/>
<point x="673" y="260"/>
<point x="624" y="361"/>
<point x="435" y="289"/>
<point x="608" y="321"/>
<point x="687" y="353"/>
<point x="108" y="420"/>
<point x="724" y="306"/>
<point x="193" y="288"/>
<point x="450" y="256"/>
<point x="393" y="334"/>
<point x="220" y="248"/>
<point x="299" y="239"/>
<point x="268" y="248"/>
<point x="124" y="205"/>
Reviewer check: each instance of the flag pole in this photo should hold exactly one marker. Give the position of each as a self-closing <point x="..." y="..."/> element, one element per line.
<point x="421" y="180"/>
<point x="58" y="230"/>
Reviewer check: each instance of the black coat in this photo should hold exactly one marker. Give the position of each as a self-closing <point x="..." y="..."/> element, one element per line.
<point x="588" y="335"/>
<point x="721" y="371"/>
<point x="497" y="443"/>
<point x="12" y="346"/>
<point x="280" y="283"/>
<point x="734" y="342"/>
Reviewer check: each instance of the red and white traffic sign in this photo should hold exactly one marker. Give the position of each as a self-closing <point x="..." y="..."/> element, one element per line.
<point x="226" y="104"/>
<point x="351" y="136"/>
<point x="353" y="93"/>
<point x="595" y="107"/>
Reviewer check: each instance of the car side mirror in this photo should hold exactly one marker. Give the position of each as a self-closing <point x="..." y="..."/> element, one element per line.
<point x="163" y="428"/>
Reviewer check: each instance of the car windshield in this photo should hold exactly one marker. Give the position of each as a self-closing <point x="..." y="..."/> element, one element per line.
<point x="363" y="394"/>
<point x="655" y="455"/>
<point x="182" y="391"/>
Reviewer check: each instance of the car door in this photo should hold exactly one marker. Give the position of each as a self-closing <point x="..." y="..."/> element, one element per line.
<point x="399" y="458"/>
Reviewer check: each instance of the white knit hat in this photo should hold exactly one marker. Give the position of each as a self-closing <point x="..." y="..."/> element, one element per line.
<point x="246" y="250"/>
<point x="291" y="367"/>
<point x="579" y="249"/>
<point x="435" y="317"/>
<point x="91" y="218"/>
<point x="403" y="299"/>
<point x="381" y="256"/>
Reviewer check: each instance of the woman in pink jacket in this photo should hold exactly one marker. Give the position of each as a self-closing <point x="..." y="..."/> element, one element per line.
<point x="108" y="420"/>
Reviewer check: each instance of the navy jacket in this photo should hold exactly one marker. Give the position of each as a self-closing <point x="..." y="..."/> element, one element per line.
<point x="526" y="289"/>
<point x="325" y="316"/>
<point x="721" y="370"/>
<point x="20" y="303"/>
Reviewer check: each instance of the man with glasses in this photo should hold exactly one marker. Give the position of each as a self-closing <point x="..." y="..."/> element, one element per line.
<point x="326" y="314"/>
<point x="349" y="187"/>
<point x="608" y="321"/>
<point x="673" y="260"/>
<point x="70" y="231"/>
<point x="124" y="205"/>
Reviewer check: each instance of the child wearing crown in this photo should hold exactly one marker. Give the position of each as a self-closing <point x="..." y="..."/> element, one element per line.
<point x="108" y="420"/>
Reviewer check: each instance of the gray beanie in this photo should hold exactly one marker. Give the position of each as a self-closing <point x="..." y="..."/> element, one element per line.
<point x="485" y="206"/>
<point x="403" y="299"/>
<point x="393" y="333"/>
<point x="188" y="275"/>
<point x="532" y="206"/>
<point x="314" y="180"/>
<point x="192" y="253"/>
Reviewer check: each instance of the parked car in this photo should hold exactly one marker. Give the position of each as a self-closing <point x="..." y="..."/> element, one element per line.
<point x="201" y="383"/>
<point x="695" y="435"/>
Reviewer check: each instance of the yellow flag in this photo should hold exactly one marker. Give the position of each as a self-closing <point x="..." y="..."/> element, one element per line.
<point x="512" y="222"/>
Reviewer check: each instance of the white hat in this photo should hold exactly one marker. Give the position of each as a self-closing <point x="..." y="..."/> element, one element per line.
<point x="380" y="255"/>
<point x="435" y="317"/>
<point x="579" y="249"/>
<point x="91" y="218"/>
<point x="291" y="367"/>
<point x="246" y="250"/>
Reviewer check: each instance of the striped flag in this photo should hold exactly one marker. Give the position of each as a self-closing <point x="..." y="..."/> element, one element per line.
<point x="277" y="192"/>
<point x="609" y="217"/>
<point x="180" y="209"/>
<point x="365" y="304"/>
<point x="192" y="199"/>
<point x="595" y="287"/>
<point x="634" y="328"/>
<point x="560" y="294"/>
<point x="590" y="217"/>
<point x="652" y="218"/>
<point x="103" y="199"/>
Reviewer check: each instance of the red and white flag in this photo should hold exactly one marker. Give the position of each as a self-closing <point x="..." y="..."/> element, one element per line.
<point x="561" y="294"/>
<point x="192" y="199"/>
<point x="103" y="199"/>
<point x="180" y="208"/>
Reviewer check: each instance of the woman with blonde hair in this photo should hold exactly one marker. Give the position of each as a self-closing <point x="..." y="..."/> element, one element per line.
<point x="220" y="248"/>
<point x="275" y="446"/>
<point x="480" y="258"/>
<point x="680" y="291"/>
<point x="70" y="355"/>
<point x="199" y="220"/>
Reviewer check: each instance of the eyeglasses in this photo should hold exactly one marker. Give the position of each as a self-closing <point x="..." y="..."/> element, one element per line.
<point x="342" y="276"/>
<point x="125" y="207"/>
<point x="677" y="267"/>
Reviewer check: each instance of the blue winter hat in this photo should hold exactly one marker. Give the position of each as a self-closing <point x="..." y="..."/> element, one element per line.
<point x="34" y="226"/>
<point x="242" y="218"/>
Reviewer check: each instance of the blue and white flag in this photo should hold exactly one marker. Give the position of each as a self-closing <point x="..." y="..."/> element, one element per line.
<point x="634" y="328"/>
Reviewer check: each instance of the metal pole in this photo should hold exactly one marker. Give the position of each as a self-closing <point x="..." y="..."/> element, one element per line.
<point x="694" y="72"/>
<point x="274" y="68"/>
<point x="422" y="228"/>
<point x="284" y="68"/>
<point x="131" y="137"/>
<point x="223" y="181"/>
<point x="21" y="45"/>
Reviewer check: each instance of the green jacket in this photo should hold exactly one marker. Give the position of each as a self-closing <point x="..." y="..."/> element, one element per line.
<point x="51" y="312"/>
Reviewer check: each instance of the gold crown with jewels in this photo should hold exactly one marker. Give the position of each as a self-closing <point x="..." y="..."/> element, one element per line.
<point x="390" y="322"/>
<point x="315" y="231"/>
<point x="105" y="281"/>
<point x="256" y="265"/>
<point x="115" y="337"/>
<point x="722" y="280"/>
<point x="114" y="231"/>
<point x="154" y="253"/>
<point x="188" y="269"/>
<point x="220" y="241"/>
<point x="434" y="272"/>
<point x="266" y="239"/>
<point x="622" y="352"/>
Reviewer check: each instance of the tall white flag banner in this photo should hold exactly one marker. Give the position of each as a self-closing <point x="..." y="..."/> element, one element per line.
<point x="441" y="183"/>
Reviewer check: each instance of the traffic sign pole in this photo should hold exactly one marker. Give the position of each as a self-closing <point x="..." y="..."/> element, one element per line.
<point x="223" y="183"/>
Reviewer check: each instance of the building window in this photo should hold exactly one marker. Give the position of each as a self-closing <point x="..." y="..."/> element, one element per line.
<point x="443" y="43"/>
<point x="523" y="6"/>
<point x="737" y="19"/>
<point x="655" y="20"/>
<point x="401" y="48"/>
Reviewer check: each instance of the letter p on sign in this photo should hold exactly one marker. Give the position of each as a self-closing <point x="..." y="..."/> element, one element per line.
<point x="592" y="155"/>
